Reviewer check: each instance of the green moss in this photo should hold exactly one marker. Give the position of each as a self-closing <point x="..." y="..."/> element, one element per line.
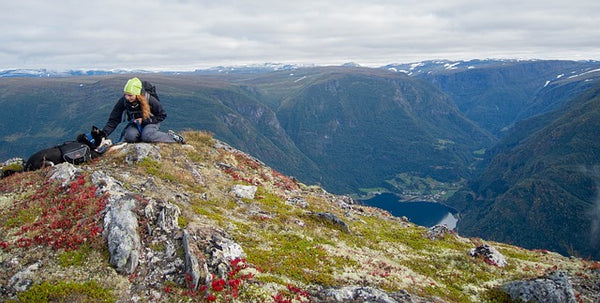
<point x="182" y="222"/>
<point x="270" y="279"/>
<point x="271" y="202"/>
<point x="23" y="216"/>
<point x="388" y="232"/>
<point x="451" y="293"/>
<point x="210" y="208"/>
<point x="154" y="167"/>
<point x="522" y="254"/>
<point x="74" y="257"/>
<point x="198" y="209"/>
<point x="495" y="295"/>
<point x="63" y="291"/>
<point x="454" y="273"/>
<point x="14" y="167"/>
<point x="157" y="246"/>
<point x="298" y="258"/>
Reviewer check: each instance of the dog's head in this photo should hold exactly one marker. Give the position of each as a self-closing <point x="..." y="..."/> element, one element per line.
<point x="96" y="138"/>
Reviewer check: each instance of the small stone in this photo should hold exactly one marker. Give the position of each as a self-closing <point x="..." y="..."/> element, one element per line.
<point x="244" y="191"/>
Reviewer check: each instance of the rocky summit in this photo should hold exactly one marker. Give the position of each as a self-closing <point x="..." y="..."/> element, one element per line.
<point x="206" y="222"/>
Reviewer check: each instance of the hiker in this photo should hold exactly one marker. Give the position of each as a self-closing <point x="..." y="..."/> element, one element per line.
<point x="144" y="113"/>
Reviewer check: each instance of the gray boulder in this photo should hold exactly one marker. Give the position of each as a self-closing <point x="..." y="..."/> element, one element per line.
<point x="120" y="230"/>
<point x="331" y="219"/>
<point x="244" y="191"/>
<point x="137" y="152"/>
<point x="554" y="288"/>
<point x="64" y="172"/>
<point x="490" y="254"/>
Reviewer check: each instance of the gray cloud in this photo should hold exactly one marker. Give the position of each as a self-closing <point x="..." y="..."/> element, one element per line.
<point x="195" y="34"/>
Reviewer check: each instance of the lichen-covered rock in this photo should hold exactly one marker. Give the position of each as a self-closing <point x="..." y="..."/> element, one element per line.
<point x="331" y="218"/>
<point x="195" y="269"/>
<point x="438" y="232"/>
<point x="22" y="280"/>
<point x="168" y="214"/>
<point x="554" y="288"/>
<point x="355" y="294"/>
<point x="106" y="184"/>
<point x="139" y="151"/>
<point x="215" y="247"/>
<point x="11" y="166"/>
<point x="297" y="201"/>
<point x="64" y="172"/>
<point x="244" y="191"/>
<point x="120" y="230"/>
<point x="490" y="254"/>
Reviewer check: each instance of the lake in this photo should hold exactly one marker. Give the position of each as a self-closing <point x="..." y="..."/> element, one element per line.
<point x="419" y="212"/>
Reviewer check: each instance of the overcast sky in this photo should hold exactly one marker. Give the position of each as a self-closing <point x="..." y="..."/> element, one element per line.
<point x="187" y="35"/>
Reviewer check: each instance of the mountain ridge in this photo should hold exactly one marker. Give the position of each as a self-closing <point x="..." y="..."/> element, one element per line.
<point x="411" y="68"/>
<point x="252" y="233"/>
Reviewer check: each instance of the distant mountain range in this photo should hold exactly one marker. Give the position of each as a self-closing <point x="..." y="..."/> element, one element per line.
<point x="428" y="127"/>
<point x="253" y="68"/>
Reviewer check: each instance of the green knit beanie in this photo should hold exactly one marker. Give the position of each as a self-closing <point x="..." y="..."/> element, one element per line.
<point x="133" y="86"/>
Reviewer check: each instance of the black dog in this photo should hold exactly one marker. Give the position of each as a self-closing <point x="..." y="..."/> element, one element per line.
<point x="87" y="146"/>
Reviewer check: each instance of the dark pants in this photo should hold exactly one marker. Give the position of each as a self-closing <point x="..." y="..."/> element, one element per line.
<point x="150" y="133"/>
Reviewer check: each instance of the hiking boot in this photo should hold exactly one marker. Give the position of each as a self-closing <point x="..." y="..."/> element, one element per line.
<point x="178" y="138"/>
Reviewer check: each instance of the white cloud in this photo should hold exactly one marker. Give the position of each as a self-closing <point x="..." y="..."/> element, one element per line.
<point x="192" y="34"/>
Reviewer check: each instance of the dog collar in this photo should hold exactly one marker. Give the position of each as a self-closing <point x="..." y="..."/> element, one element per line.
<point x="90" y="138"/>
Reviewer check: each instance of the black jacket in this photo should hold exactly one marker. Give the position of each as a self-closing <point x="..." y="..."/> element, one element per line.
<point x="134" y="111"/>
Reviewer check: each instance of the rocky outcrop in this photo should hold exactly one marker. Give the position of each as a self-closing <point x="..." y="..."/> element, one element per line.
<point x="64" y="172"/>
<point x="331" y="219"/>
<point x="206" y="250"/>
<point x="553" y="288"/>
<point x="490" y="254"/>
<point x="120" y="230"/>
<point x="439" y="232"/>
<point x="140" y="151"/>
<point x="359" y="294"/>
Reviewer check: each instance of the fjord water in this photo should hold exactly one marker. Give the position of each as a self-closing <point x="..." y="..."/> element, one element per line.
<point x="419" y="212"/>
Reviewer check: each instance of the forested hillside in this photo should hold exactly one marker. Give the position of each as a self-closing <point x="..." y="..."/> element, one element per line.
<point x="540" y="188"/>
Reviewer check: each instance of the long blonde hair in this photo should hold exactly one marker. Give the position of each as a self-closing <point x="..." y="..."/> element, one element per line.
<point x="145" y="106"/>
